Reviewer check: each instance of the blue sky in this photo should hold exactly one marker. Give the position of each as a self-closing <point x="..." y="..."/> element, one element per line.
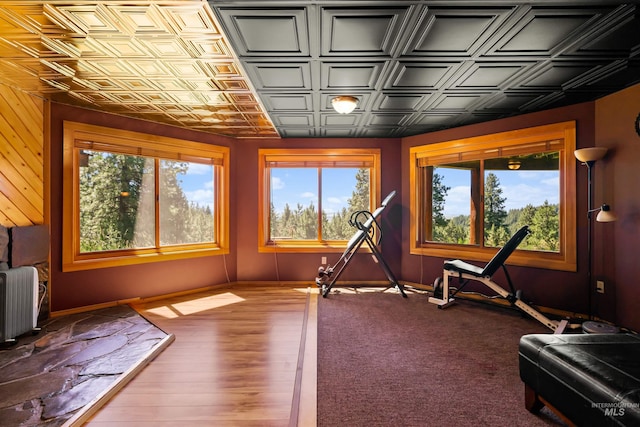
<point x="299" y="185"/>
<point x="290" y="185"/>
<point x="519" y="187"/>
<point x="197" y="184"/>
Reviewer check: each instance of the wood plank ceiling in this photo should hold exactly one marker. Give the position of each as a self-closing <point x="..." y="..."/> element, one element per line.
<point x="258" y="68"/>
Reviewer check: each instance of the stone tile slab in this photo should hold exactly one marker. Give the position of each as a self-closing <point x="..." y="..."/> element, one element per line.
<point x="45" y="380"/>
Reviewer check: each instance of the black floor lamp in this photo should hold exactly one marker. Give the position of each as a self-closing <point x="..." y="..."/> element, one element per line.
<point x="589" y="156"/>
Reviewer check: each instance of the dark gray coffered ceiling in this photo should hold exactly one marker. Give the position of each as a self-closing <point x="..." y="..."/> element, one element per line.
<point x="420" y="66"/>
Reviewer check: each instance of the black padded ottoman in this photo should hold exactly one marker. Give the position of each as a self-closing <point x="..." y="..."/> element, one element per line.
<point x="589" y="379"/>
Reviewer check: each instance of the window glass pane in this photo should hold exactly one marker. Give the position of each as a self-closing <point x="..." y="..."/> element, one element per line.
<point x="452" y="204"/>
<point x="344" y="191"/>
<point x="309" y="196"/>
<point x="294" y="204"/>
<point x="116" y="202"/>
<point x="186" y="203"/>
<point x="523" y="177"/>
<point x="523" y="190"/>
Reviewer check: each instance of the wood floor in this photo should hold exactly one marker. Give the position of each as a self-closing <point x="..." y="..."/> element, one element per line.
<point x="242" y="356"/>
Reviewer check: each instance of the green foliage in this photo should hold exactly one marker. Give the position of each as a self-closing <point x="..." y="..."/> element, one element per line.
<point x="525" y="216"/>
<point x="336" y="227"/>
<point x="494" y="212"/>
<point x="456" y="230"/>
<point x="181" y="222"/>
<point x="438" y="197"/>
<point x="117" y="205"/>
<point x="499" y="225"/>
<point x="360" y="197"/>
<point x="496" y="236"/>
<point x="109" y="189"/>
<point x="544" y="227"/>
<point x="302" y="223"/>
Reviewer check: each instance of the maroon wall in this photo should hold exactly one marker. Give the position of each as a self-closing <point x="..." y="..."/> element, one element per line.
<point x="81" y="288"/>
<point x="617" y="182"/>
<point x="615" y="260"/>
<point x="549" y="288"/>
<point x="244" y="263"/>
<point x="304" y="266"/>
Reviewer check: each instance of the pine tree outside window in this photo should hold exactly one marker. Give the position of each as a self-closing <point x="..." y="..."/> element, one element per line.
<point x="132" y="198"/>
<point x="308" y="196"/>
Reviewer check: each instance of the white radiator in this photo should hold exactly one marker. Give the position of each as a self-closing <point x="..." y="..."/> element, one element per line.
<point x="18" y="302"/>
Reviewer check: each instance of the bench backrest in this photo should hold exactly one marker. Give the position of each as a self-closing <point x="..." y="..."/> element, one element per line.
<point x="501" y="256"/>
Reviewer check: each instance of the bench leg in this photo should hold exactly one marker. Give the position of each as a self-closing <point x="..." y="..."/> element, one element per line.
<point x="531" y="400"/>
<point x="534" y="403"/>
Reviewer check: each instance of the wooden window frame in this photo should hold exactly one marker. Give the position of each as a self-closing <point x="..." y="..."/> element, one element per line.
<point x="78" y="136"/>
<point x="559" y="136"/>
<point x="315" y="158"/>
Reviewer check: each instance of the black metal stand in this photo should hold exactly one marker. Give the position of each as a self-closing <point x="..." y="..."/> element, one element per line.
<point x="589" y="233"/>
<point x="367" y="229"/>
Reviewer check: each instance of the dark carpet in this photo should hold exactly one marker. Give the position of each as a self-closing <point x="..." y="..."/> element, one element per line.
<point x="61" y="374"/>
<point x="384" y="360"/>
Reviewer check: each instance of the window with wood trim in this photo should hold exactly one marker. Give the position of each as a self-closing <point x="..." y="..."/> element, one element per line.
<point x="307" y="196"/>
<point x="131" y="198"/>
<point x="468" y="197"/>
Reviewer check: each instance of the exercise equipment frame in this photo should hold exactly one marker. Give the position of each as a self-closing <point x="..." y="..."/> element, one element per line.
<point x="368" y="229"/>
<point x="466" y="272"/>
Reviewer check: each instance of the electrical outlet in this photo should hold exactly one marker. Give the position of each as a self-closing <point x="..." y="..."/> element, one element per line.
<point x="600" y="286"/>
<point x="324" y="260"/>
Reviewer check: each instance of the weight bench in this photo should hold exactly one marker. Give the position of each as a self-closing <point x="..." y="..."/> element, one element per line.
<point x="367" y="229"/>
<point x="466" y="272"/>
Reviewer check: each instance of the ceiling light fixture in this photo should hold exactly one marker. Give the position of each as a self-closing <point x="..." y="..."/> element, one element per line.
<point x="514" y="164"/>
<point x="344" y="104"/>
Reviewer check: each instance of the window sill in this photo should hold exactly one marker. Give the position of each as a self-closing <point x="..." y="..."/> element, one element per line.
<point x="536" y="259"/>
<point x="119" y="260"/>
<point x="307" y="248"/>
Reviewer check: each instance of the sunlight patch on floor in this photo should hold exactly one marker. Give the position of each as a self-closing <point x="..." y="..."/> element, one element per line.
<point x="193" y="306"/>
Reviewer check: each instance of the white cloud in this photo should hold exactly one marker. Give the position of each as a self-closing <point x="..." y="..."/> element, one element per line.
<point x="277" y="183"/>
<point x="201" y="197"/>
<point x="457" y="201"/>
<point x="199" y="169"/>
<point x="308" y="195"/>
<point x="518" y="196"/>
<point x="533" y="188"/>
<point x="333" y="204"/>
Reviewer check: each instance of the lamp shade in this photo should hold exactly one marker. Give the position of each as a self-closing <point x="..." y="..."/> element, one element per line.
<point x="590" y="154"/>
<point x="344" y="104"/>
<point x="605" y="214"/>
